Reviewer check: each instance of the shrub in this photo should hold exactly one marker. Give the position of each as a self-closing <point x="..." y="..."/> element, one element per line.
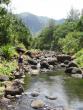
<point x="72" y="42"/>
<point x="7" y="67"/>
<point x="7" y="51"/>
<point x="79" y="57"/>
<point x="21" y="45"/>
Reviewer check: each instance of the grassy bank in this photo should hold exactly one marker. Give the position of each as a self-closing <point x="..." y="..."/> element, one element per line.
<point x="6" y="67"/>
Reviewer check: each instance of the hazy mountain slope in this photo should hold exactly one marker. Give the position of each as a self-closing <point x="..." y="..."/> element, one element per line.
<point x="36" y="23"/>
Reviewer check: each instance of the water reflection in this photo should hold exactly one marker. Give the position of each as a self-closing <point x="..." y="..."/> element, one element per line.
<point x="68" y="90"/>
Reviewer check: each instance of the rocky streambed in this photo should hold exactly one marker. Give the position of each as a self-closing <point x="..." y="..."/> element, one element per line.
<point x="45" y="86"/>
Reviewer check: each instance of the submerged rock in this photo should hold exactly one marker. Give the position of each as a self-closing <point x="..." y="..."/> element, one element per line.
<point x="51" y="97"/>
<point x="34" y="94"/>
<point x="37" y="104"/>
<point x="34" y="72"/>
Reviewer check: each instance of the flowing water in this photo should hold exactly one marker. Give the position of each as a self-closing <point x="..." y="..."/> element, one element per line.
<point x="69" y="91"/>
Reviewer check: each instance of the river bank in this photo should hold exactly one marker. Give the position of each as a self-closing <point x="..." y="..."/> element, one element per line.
<point x="39" y="63"/>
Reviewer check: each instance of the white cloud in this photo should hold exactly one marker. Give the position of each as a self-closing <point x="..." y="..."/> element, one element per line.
<point x="52" y="8"/>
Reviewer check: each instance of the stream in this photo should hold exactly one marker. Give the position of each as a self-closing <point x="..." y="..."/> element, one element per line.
<point x="69" y="91"/>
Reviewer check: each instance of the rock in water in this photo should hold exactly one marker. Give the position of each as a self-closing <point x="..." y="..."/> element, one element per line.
<point x="34" y="94"/>
<point x="34" y="72"/>
<point x="37" y="104"/>
<point x="73" y="70"/>
<point x="62" y="58"/>
<point x="5" y="101"/>
<point x="72" y="64"/>
<point x="32" y="62"/>
<point x="77" y="75"/>
<point x="51" y="97"/>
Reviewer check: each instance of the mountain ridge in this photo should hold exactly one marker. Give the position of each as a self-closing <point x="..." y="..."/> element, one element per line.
<point x="36" y="23"/>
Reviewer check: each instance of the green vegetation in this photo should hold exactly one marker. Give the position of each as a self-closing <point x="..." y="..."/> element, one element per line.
<point x="79" y="57"/>
<point x="7" y="67"/>
<point x="13" y="33"/>
<point x="66" y="37"/>
<point x="72" y="42"/>
<point x="8" y="51"/>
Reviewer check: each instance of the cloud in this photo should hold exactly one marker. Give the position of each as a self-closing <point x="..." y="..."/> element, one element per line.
<point x="52" y="8"/>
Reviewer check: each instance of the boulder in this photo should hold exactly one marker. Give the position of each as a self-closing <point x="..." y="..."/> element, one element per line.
<point x="4" y="78"/>
<point x="76" y="70"/>
<point x="13" y="89"/>
<point x="37" y="104"/>
<point x="10" y="97"/>
<point x="17" y="74"/>
<point x="32" y="62"/>
<point x="29" y="54"/>
<point x="72" y="64"/>
<point x="77" y="75"/>
<point x="66" y="62"/>
<point x="4" y="101"/>
<point x="73" y="70"/>
<point x="51" y="97"/>
<point x="52" y="61"/>
<point x="26" y="69"/>
<point x="62" y="65"/>
<point x="34" y="94"/>
<point x="34" y="72"/>
<point x="44" y="64"/>
<point x="33" y="66"/>
<point x="62" y="58"/>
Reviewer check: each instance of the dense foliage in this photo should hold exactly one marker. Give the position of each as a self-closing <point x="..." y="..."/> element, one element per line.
<point x="12" y="30"/>
<point x="13" y="33"/>
<point x="66" y="37"/>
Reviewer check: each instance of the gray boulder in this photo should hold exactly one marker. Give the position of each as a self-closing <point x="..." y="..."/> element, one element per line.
<point x="72" y="64"/>
<point x="37" y="104"/>
<point x="32" y="62"/>
<point x="73" y="70"/>
<point x="44" y="64"/>
<point x="4" y="78"/>
<point x="62" y="58"/>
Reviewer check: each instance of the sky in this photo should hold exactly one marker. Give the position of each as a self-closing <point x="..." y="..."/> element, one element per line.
<point x="56" y="9"/>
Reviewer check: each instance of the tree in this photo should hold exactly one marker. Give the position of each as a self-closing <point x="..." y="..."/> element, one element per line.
<point x="72" y="42"/>
<point x="45" y="38"/>
<point x="80" y="24"/>
<point x="51" y="23"/>
<point x="12" y="29"/>
<point x="5" y="2"/>
<point x="73" y="15"/>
